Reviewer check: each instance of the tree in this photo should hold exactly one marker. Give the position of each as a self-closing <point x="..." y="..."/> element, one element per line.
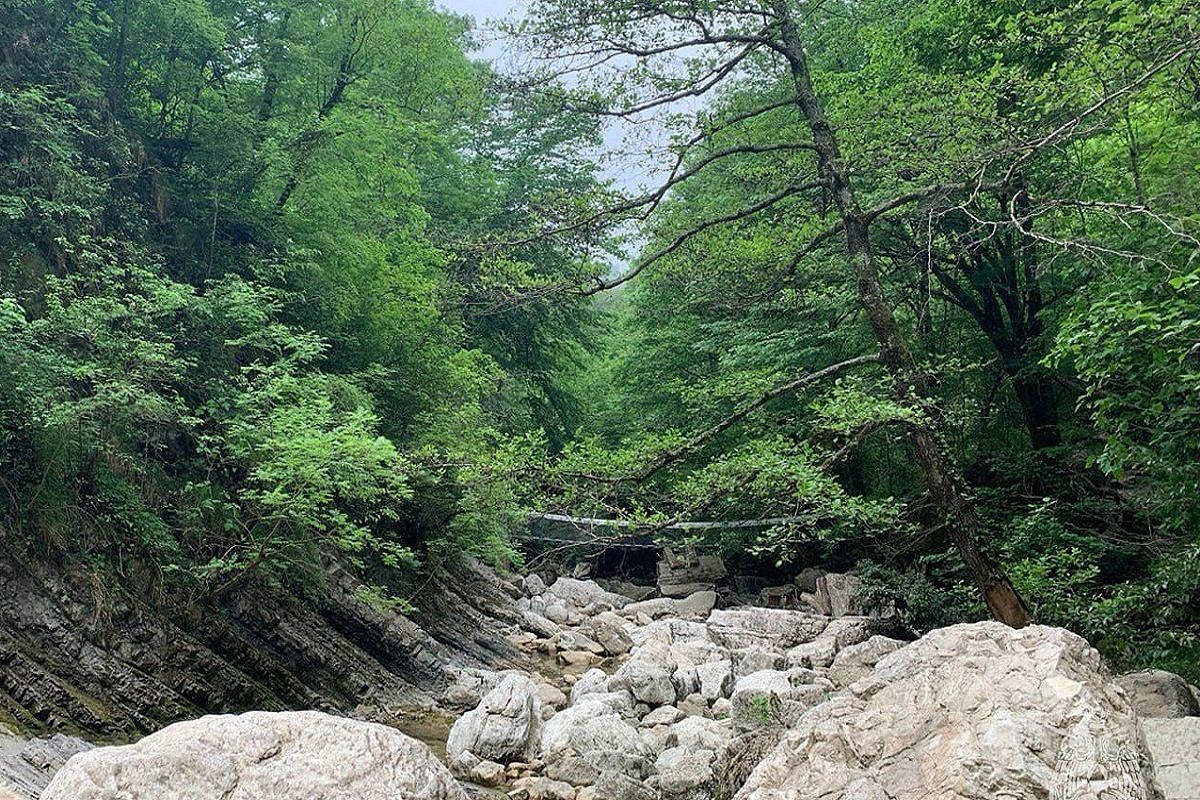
<point x="652" y="56"/>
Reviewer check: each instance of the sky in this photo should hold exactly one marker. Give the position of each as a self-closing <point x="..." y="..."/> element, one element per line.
<point x="619" y="159"/>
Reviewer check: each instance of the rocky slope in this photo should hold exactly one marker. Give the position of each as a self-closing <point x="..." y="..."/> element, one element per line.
<point x="690" y="702"/>
<point x="114" y="662"/>
<point x="572" y="691"/>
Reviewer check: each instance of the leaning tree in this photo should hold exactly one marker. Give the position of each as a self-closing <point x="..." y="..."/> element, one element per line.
<point x="647" y="60"/>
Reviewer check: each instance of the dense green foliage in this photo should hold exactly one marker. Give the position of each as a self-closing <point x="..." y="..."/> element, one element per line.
<point x="283" y="281"/>
<point x="236" y="285"/>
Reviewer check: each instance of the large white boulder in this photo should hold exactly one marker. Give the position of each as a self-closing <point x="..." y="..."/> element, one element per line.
<point x="301" y="755"/>
<point x="970" y="712"/>
<point x="767" y="628"/>
<point x="586" y="594"/>
<point x="505" y="725"/>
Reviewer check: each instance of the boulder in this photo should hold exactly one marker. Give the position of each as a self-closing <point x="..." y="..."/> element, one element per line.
<point x="533" y="584"/>
<point x="840" y="595"/>
<point x="572" y="769"/>
<point x="772" y="698"/>
<point x="594" y="680"/>
<point x="648" y="674"/>
<point x="609" y="631"/>
<point x="633" y="591"/>
<point x="578" y="658"/>
<point x="26" y="767"/>
<point x="505" y="725"/>
<point x="616" y="786"/>
<point x="551" y="696"/>
<point x="1174" y="746"/>
<point x="575" y="640"/>
<point x="299" y="755"/>
<point x="597" y="733"/>
<point x="685" y="774"/>
<point x="857" y="660"/>
<point x="970" y="712"/>
<point x="702" y="733"/>
<point x="696" y="606"/>
<point x="582" y="594"/>
<point x="657" y="608"/>
<point x="469" y="685"/>
<point x="818" y="653"/>
<point x="748" y="660"/>
<point x="488" y="773"/>
<point x="536" y="623"/>
<point x="807" y="580"/>
<point x="685" y="573"/>
<point x="716" y="679"/>
<point x="767" y="628"/>
<point x="1158" y="693"/>
<point x="778" y="596"/>
<point x="539" y="788"/>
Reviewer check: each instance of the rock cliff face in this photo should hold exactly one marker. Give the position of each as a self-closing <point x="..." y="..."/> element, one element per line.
<point x="110" y="663"/>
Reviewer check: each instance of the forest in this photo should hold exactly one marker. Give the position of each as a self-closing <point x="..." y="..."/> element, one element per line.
<point x="911" y="283"/>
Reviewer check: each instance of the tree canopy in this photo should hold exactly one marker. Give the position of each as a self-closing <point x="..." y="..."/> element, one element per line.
<point x="915" y="282"/>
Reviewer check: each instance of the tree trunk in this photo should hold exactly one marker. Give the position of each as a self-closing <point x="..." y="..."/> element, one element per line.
<point x="962" y="522"/>
<point x="1039" y="407"/>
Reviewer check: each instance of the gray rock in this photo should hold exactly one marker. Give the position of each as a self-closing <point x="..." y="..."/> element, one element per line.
<point x="1158" y="693"/>
<point x="684" y="573"/>
<point x="663" y="715"/>
<point x="628" y="589"/>
<point x="1174" y="746"/>
<point x="656" y="608"/>
<point x="807" y="580"/>
<point x="818" y="653"/>
<point x="768" y="628"/>
<point x="504" y="727"/>
<point x="846" y="631"/>
<point x="572" y="769"/>
<point x="715" y="678"/>
<point x="648" y="674"/>
<point x="778" y="596"/>
<point x="551" y="696"/>
<point x="582" y="594"/>
<point x="536" y="623"/>
<point x="696" y="606"/>
<point x="616" y="786"/>
<point x="771" y="698"/>
<point x="702" y="733"/>
<point x="857" y="660"/>
<point x="575" y="640"/>
<point x="590" y="729"/>
<point x="469" y="685"/>
<point x="533" y="584"/>
<point x="286" y="756"/>
<point x="748" y="660"/>
<point x="540" y="788"/>
<point x="685" y="774"/>
<point x="27" y="767"/>
<point x="609" y="630"/>
<point x="967" y="712"/>
<point x="488" y="773"/>
<point x="594" y="680"/>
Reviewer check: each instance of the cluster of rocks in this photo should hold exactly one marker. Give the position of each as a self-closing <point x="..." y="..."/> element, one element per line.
<point x="675" y="690"/>
<point x="675" y="698"/>
<point x="682" y="700"/>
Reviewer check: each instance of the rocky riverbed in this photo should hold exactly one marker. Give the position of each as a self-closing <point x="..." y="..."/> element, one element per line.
<point x="677" y="698"/>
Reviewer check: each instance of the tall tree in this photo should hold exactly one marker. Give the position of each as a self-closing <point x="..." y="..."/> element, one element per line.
<point x="652" y="56"/>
